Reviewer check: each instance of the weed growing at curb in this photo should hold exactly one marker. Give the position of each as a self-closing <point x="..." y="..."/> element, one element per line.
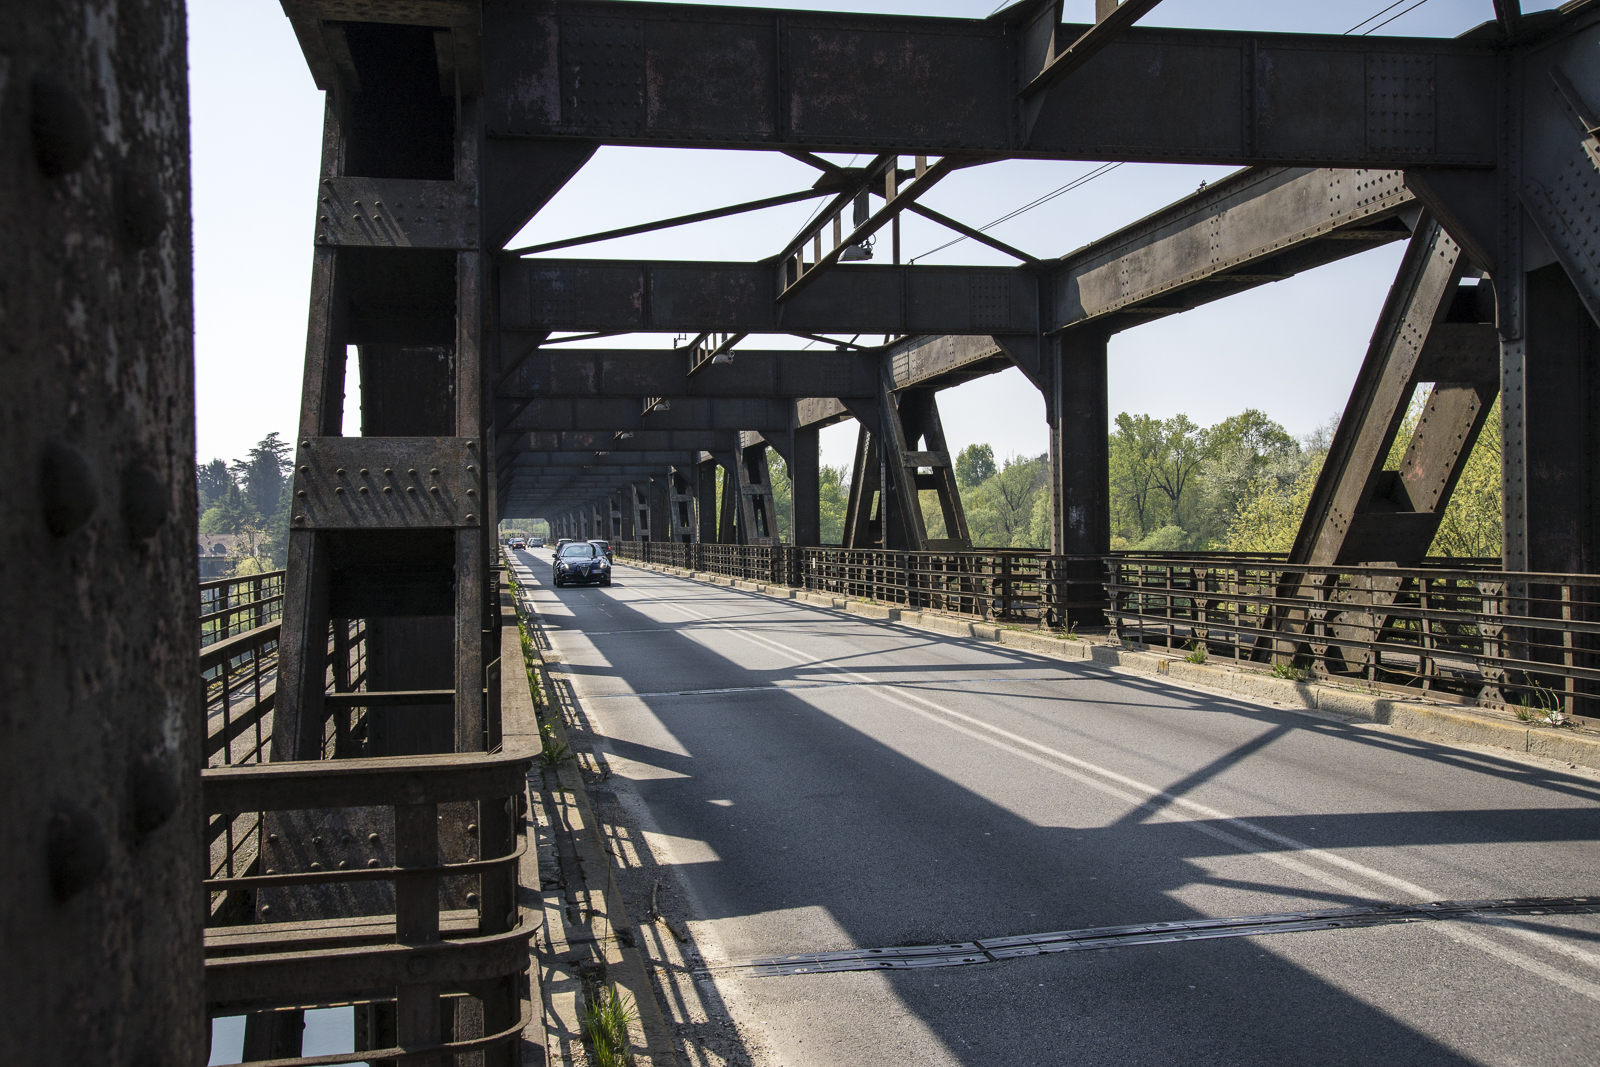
<point x="1288" y="672"/>
<point x="1544" y="708"/>
<point x="554" y="752"/>
<point x="1197" y="653"/>
<point x="605" y="1023"/>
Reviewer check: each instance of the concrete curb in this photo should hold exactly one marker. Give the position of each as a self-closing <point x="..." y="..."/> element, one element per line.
<point x="601" y="933"/>
<point x="1415" y="718"/>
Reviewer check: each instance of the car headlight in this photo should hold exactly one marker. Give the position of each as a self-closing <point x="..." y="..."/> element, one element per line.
<point x="605" y="564"/>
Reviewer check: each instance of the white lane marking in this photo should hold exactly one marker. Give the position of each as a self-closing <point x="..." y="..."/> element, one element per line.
<point x="1034" y="752"/>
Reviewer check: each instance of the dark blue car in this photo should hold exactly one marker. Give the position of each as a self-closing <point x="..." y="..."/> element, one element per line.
<point x="580" y="563"/>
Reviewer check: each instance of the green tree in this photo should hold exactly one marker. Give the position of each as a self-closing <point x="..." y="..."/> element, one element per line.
<point x="1136" y="450"/>
<point x="228" y="515"/>
<point x="974" y="466"/>
<point x="1183" y="448"/>
<point x="211" y="482"/>
<point x="277" y="530"/>
<point x="835" y="498"/>
<point x="1472" y="522"/>
<point x="1000" y="510"/>
<point x="263" y="471"/>
<point x="1269" y="517"/>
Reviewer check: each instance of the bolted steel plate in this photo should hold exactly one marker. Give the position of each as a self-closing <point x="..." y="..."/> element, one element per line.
<point x="384" y="483"/>
<point x="396" y="213"/>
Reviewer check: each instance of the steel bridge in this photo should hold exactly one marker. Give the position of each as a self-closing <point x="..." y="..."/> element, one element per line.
<point x="368" y="725"/>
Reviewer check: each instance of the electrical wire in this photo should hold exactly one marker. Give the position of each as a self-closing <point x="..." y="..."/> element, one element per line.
<point x="1369" y="18"/>
<point x="1386" y="21"/>
<point x="1081" y="180"/>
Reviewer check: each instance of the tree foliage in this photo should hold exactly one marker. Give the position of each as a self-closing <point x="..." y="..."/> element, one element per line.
<point x="974" y="466"/>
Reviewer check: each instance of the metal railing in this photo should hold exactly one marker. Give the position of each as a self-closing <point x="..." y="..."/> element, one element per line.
<point x="230" y="606"/>
<point x="1467" y="634"/>
<point x="1457" y="630"/>
<point x="1011" y="585"/>
<point x="374" y="841"/>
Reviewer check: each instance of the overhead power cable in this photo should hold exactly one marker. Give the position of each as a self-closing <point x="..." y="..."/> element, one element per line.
<point x="1081" y="180"/>
<point x="1380" y="14"/>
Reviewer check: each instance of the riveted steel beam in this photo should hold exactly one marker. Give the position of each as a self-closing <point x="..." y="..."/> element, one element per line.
<point x="750" y="78"/>
<point x="594" y="372"/>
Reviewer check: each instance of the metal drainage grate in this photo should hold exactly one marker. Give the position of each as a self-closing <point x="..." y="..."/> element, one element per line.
<point x="994" y="949"/>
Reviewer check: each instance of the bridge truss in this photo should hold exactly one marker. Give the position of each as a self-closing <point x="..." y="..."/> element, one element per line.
<point x="449" y="124"/>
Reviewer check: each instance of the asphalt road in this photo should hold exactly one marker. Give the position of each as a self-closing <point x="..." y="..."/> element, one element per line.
<point x="816" y="782"/>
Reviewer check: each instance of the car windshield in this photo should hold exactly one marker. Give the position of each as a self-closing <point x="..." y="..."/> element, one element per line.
<point x="577" y="551"/>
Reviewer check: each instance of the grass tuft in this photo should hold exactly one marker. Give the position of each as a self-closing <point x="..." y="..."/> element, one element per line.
<point x="605" y="1023"/>
<point x="1197" y="653"/>
<point x="1288" y="672"/>
<point x="554" y="751"/>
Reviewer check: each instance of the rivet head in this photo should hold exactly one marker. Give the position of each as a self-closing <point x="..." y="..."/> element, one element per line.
<point x="372" y="863"/>
<point x="433" y="488"/>
<point x="363" y="472"/>
<point x="145" y="501"/>
<point x="434" y="472"/>
<point x="339" y="471"/>
<point x="411" y="489"/>
<point x="67" y="490"/>
<point x="141" y="207"/>
<point x="316" y="866"/>
<point x="344" y="865"/>
<point x="389" y="471"/>
<point x="373" y="838"/>
<point x="300" y="492"/>
<point x="472" y="827"/>
<point x="63" y="133"/>
<point x="472" y="900"/>
<point x="388" y="489"/>
<point x="363" y="489"/>
<point x="266" y="909"/>
<point x="272" y="839"/>
<point x="156" y="791"/>
<point x="305" y="443"/>
<point x="299" y="520"/>
<point x="307" y="470"/>
<point x="75" y="850"/>
<point x="338" y="489"/>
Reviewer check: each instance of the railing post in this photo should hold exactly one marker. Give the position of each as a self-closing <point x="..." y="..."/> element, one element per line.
<point x="417" y="922"/>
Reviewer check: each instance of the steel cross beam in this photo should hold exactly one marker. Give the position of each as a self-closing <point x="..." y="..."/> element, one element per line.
<point x="1253" y="227"/>
<point x="826" y="82"/>
<point x="659" y="373"/>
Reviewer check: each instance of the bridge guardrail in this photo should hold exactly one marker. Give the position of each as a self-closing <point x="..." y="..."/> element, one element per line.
<point x="353" y="832"/>
<point x="1458" y="630"/>
<point x="1525" y="642"/>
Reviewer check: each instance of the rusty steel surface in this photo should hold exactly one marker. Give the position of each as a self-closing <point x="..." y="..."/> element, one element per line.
<point x="386" y="483"/>
<point x="391" y="780"/>
<point x="100" y="747"/>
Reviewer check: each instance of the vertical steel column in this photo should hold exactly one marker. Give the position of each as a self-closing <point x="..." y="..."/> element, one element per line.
<point x="805" y="488"/>
<point x="705" y="485"/>
<point x="1080" y="472"/>
<point x="102" y="843"/>
<point x="472" y="400"/>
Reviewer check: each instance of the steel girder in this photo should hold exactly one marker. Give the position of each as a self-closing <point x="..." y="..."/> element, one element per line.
<point x="682" y="413"/>
<point x="1255" y="227"/>
<point x="591" y="372"/>
<point x="749" y="78"/>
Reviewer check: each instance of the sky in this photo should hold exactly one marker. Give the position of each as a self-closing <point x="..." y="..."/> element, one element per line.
<point x="1290" y="349"/>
